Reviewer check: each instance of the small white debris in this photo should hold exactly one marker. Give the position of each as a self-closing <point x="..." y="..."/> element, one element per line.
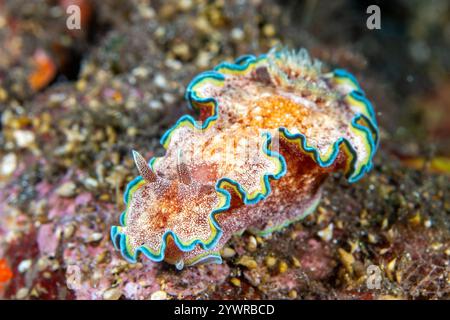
<point x="168" y="98"/>
<point x="203" y="59"/>
<point x="97" y="236"/>
<point x="173" y="64"/>
<point x="24" y="265"/>
<point x="237" y="34"/>
<point x="228" y="252"/>
<point x="91" y="183"/>
<point x="327" y="233"/>
<point x="66" y="189"/>
<point x="24" y="138"/>
<point x="155" y="104"/>
<point x="112" y="294"/>
<point x="68" y="231"/>
<point x="159" y="295"/>
<point x="22" y="293"/>
<point x="8" y="165"/>
<point x="140" y="72"/>
<point x="252" y="244"/>
<point x="160" y="81"/>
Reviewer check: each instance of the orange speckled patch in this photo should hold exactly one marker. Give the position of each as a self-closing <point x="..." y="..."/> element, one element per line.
<point x="276" y="111"/>
<point x="5" y="272"/>
<point x="44" y="71"/>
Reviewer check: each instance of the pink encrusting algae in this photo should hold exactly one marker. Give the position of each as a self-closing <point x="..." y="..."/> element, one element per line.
<point x="270" y="130"/>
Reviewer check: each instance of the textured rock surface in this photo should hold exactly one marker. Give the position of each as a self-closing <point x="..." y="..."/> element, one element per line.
<point x="75" y="132"/>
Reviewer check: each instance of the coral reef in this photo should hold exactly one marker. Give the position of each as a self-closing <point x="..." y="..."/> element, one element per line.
<point x="119" y="84"/>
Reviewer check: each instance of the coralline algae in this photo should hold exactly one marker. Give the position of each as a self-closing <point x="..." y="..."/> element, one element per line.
<point x="269" y="132"/>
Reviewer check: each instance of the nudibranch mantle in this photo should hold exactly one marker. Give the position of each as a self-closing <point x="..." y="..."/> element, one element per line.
<point x="270" y="130"/>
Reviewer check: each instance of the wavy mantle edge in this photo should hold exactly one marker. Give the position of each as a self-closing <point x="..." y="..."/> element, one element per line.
<point x="242" y="65"/>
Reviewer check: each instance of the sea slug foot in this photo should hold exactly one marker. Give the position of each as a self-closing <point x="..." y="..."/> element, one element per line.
<point x="287" y="219"/>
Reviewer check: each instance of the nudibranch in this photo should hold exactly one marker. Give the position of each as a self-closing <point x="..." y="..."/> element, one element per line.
<point x="269" y="131"/>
